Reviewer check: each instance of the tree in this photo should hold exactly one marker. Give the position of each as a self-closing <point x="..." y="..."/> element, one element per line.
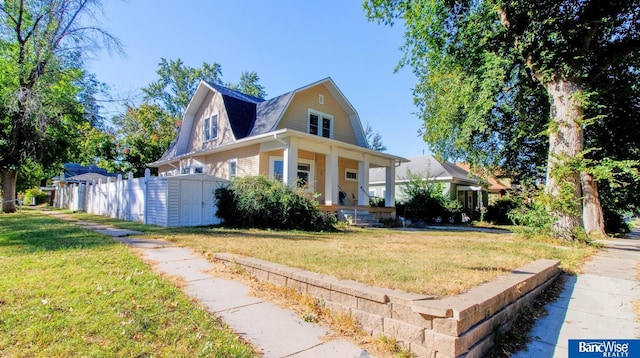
<point x="374" y="140"/>
<point x="96" y="146"/>
<point x="249" y="84"/>
<point x="143" y="133"/>
<point x="177" y="84"/>
<point x="472" y="59"/>
<point x="619" y="96"/>
<point x="40" y="45"/>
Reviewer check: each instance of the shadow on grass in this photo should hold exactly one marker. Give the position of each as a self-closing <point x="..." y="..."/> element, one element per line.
<point x="252" y="233"/>
<point x="33" y="232"/>
<point x="219" y="231"/>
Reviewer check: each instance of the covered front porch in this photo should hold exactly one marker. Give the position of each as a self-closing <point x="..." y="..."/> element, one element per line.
<point x="334" y="173"/>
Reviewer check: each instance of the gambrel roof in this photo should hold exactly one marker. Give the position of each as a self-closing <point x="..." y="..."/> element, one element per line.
<point x="251" y="116"/>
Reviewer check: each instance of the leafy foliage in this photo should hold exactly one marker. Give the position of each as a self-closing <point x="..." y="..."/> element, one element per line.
<point x="532" y="218"/>
<point x="257" y="202"/>
<point x="374" y="140"/>
<point x="427" y="200"/>
<point x="177" y="84"/>
<point x="498" y="212"/>
<point x="37" y="194"/>
<point x="41" y="44"/>
<point x="490" y="73"/>
<point x="249" y="84"/>
<point x="144" y="133"/>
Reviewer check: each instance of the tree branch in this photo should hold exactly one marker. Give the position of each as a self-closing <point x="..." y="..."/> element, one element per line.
<point x="612" y="53"/>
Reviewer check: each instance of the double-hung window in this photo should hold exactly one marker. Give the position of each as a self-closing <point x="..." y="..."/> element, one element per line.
<point x="320" y="124"/>
<point x="304" y="173"/>
<point x="210" y="128"/>
<point x="233" y="168"/>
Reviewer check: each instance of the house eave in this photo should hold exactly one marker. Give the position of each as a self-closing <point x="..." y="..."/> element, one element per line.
<point x="279" y="134"/>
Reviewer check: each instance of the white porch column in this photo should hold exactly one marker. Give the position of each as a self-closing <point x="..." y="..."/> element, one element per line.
<point x="363" y="181"/>
<point x="390" y="185"/>
<point x="290" y="163"/>
<point x="331" y="178"/>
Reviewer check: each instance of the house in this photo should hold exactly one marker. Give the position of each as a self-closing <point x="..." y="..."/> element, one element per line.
<point x="458" y="183"/>
<point x="74" y="173"/>
<point x="497" y="186"/>
<point x="311" y="137"/>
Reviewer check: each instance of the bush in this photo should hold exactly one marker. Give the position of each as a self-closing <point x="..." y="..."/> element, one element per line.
<point x="376" y="202"/>
<point x="614" y="223"/>
<point x="40" y="196"/>
<point x="531" y="216"/>
<point x="498" y="212"/>
<point x="257" y="202"/>
<point x="427" y="200"/>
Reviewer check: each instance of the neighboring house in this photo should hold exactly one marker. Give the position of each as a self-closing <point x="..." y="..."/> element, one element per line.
<point x="496" y="186"/>
<point x="310" y="137"/>
<point x="74" y="173"/>
<point x="457" y="182"/>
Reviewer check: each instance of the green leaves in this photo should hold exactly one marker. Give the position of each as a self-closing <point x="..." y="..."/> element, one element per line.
<point x="178" y="82"/>
<point x="144" y="133"/>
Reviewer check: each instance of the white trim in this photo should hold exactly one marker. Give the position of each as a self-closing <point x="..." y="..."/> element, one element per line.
<point x="321" y="117"/>
<point x="207" y="127"/>
<point x="311" y="183"/>
<point x="229" y="162"/>
<point x="272" y="166"/>
<point x="312" y="170"/>
<point x="343" y="147"/>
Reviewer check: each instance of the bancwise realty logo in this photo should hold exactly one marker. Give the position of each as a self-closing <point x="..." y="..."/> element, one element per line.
<point x="618" y="348"/>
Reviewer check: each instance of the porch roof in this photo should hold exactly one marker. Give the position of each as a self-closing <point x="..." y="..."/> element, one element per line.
<point x="277" y="136"/>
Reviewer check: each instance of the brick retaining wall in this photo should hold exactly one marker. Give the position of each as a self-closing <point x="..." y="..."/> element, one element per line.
<point x="463" y="325"/>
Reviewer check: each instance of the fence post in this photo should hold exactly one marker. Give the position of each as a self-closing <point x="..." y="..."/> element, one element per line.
<point x="102" y="203"/>
<point x="147" y="175"/>
<point x="94" y="201"/>
<point x="118" y="188"/>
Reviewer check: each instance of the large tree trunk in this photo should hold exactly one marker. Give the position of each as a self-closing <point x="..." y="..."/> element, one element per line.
<point x="9" y="178"/>
<point x="566" y="142"/>
<point x="593" y="218"/>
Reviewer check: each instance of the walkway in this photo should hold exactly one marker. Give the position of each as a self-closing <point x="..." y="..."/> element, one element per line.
<point x="597" y="304"/>
<point x="274" y="331"/>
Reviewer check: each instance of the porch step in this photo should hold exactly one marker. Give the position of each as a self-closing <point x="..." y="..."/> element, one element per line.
<point x="360" y="218"/>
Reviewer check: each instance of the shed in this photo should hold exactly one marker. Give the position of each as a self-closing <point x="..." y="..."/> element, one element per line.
<point x="185" y="200"/>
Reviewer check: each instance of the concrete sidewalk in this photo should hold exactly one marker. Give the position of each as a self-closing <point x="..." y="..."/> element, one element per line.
<point x="274" y="331"/>
<point x="597" y="304"/>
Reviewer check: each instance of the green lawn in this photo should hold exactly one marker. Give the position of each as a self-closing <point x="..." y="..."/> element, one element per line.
<point x="68" y="292"/>
<point x="440" y="263"/>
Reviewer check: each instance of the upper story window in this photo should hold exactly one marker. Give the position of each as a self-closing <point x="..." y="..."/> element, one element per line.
<point x="320" y="124"/>
<point x="210" y="128"/>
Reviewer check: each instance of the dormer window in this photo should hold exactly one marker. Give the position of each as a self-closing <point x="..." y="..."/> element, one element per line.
<point x="210" y="128"/>
<point x="320" y="124"/>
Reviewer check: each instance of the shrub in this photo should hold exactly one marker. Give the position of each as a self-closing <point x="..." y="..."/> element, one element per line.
<point x="426" y="200"/>
<point x="498" y="212"/>
<point x="531" y="215"/>
<point x="376" y="202"/>
<point x="40" y="196"/>
<point x="257" y="202"/>
<point x="614" y="223"/>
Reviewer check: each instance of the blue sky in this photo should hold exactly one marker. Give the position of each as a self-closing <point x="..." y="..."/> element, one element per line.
<point x="288" y="43"/>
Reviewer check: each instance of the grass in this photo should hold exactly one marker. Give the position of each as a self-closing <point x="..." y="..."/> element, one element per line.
<point x="439" y="263"/>
<point x="68" y="292"/>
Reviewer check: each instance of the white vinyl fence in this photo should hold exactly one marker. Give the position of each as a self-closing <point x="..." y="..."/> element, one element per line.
<point x="186" y="200"/>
